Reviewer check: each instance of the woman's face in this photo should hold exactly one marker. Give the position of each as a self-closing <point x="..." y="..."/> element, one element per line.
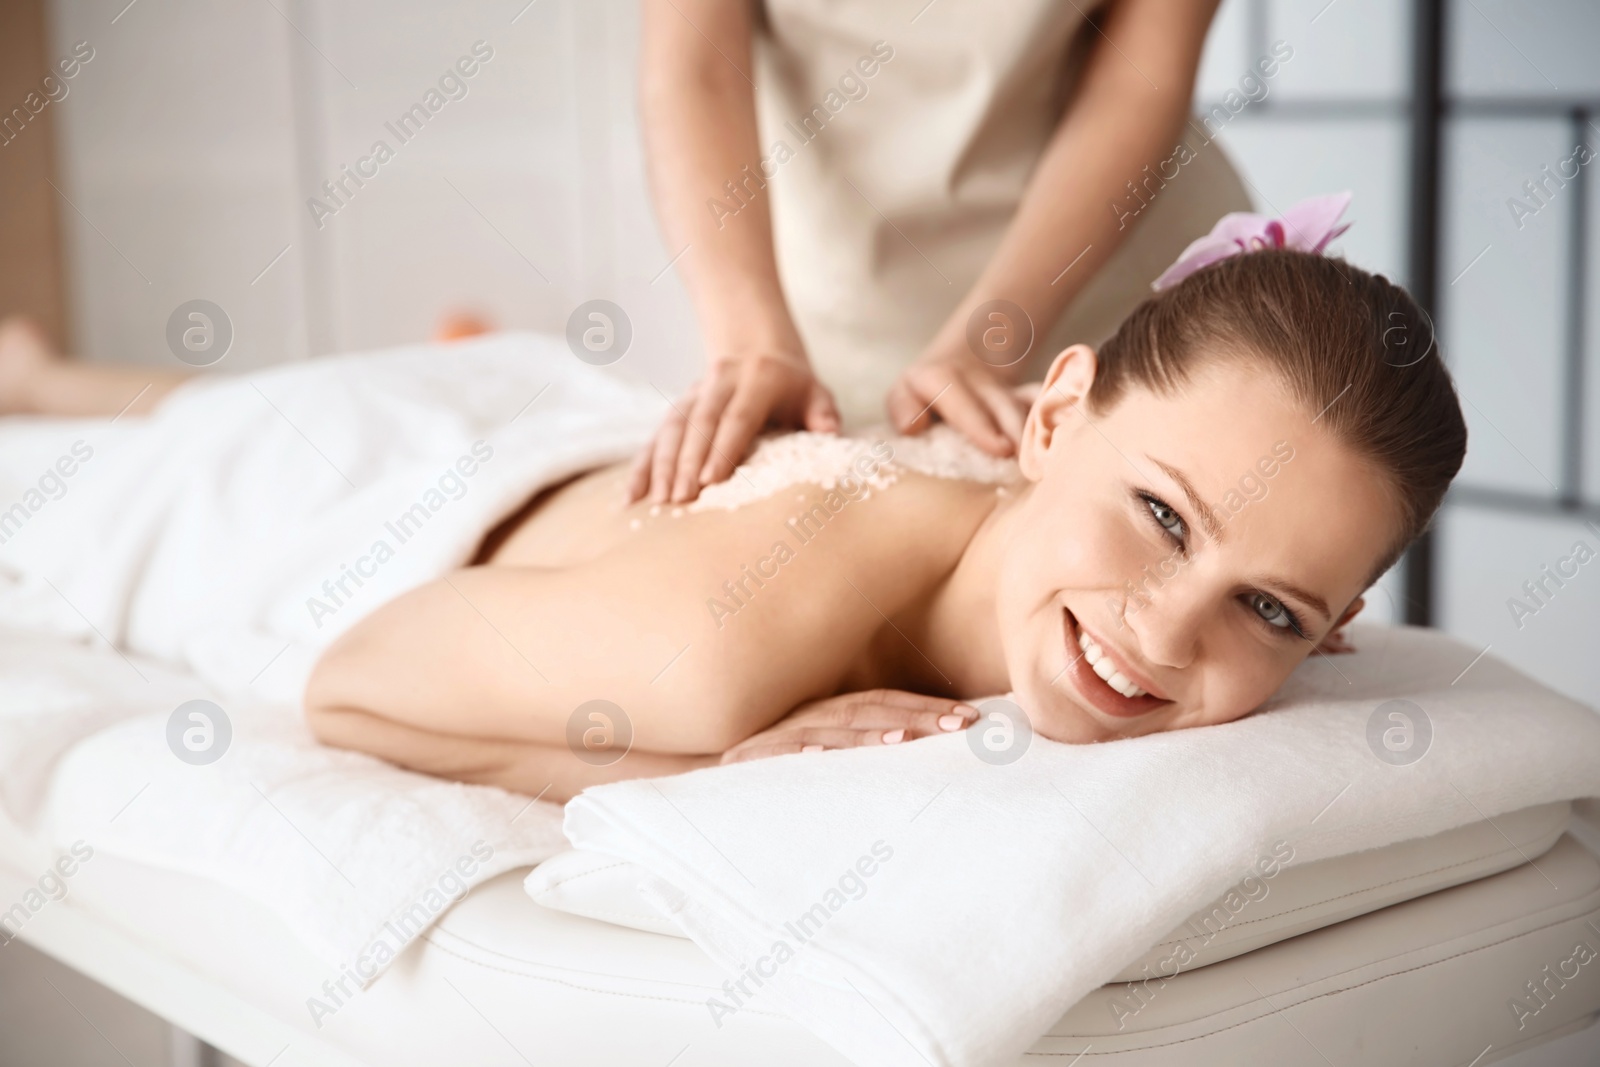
<point x="1177" y="556"/>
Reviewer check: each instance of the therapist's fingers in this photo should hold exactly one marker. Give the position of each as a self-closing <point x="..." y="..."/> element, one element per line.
<point x="912" y="397"/>
<point x="956" y="396"/>
<point x="715" y="393"/>
<point x="639" y="473"/>
<point x="770" y="390"/>
<point x="669" y="439"/>
<point x="642" y="475"/>
<point x="960" y="407"/>
<point x="907" y="413"/>
<point x="761" y="385"/>
<point x="821" y="413"/>
<point x="1003" y="405"/>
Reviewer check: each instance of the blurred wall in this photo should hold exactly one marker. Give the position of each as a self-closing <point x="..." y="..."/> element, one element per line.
<point x="200" y="131"/>
<point x="194" y="139"/>
<point x="1522" y="334"/>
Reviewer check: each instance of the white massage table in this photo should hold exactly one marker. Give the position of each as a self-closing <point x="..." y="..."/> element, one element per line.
<point x="1312" y="974"/>
<point x="505" y="981"/>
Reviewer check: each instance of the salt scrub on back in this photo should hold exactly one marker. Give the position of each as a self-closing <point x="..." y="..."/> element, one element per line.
<point x="875" y="460"/>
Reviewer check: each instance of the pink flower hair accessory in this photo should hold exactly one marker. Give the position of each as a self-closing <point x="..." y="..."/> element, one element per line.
<point x="1307" y="227"/>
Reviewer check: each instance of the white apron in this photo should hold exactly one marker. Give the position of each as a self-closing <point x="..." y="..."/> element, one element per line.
<point x="891" y="190"/>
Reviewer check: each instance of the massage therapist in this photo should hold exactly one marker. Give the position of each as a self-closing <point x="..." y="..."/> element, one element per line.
<point x="890" y="203"/>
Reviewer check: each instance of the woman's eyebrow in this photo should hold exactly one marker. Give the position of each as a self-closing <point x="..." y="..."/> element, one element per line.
<point x="1208" y="518"/>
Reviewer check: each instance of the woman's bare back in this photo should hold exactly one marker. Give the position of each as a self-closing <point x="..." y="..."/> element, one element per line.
<point x="703" y="624"/>
<point x="566" y="524"/>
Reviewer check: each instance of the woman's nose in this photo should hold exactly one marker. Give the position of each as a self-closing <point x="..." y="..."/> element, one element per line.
<point x="1168" y="622"/>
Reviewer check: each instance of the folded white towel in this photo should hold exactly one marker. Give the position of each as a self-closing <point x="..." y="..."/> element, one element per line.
<point x="918" y="905"/>
<point x="357" y="856"/>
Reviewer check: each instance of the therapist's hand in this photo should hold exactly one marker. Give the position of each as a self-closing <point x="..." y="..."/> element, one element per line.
<point x="708" y="430"/>
<point x="966" y="393"/>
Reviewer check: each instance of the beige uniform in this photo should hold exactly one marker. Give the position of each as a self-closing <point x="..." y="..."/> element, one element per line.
<point x="895" y="153"/>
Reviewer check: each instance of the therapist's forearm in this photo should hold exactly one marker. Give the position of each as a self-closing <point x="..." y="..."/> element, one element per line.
<point x="1117" y="125"/>
<point x="1064" y="213"/>
<point x="697" y="107"/>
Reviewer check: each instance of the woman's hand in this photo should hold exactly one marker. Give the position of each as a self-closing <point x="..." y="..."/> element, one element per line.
<point x="708" y="431"/>
<point x="876" y="717"/>
<point x="966" y="393"/>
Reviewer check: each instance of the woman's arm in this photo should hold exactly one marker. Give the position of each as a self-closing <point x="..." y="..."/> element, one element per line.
<point x="547" y="771"/>
<point x="1126" y="113"/>
<point x="851" y="720"/>
<point x="510" y="654"/>
<point x="697" y="110"/>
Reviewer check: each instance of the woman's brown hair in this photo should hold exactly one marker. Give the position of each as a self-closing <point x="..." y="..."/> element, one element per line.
<point x="1353" y="349"/>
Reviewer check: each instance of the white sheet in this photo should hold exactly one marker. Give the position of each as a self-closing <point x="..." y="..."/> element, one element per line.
<point x="197" y="537"/>
<point x="997" y="896"/>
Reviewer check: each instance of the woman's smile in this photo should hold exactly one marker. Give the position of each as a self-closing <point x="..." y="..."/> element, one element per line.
<point x="1103" y="677"/>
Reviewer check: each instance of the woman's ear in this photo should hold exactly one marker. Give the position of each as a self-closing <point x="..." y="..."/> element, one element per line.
<point x="1063" y="389"/>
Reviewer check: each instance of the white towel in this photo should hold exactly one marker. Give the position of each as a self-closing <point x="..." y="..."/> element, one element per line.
<point x="916" y="905"/>
<point x="201" y="536"/>
<point x="204" y="534"/>
<point x="357" y="856"/>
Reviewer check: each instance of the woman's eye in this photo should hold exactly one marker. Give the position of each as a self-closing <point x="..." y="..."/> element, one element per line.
<point x="1165" y="517"/>
<point x="1272" y="612"/>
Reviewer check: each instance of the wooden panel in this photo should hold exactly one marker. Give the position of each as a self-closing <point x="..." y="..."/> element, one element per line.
<point x="30" y="260"/>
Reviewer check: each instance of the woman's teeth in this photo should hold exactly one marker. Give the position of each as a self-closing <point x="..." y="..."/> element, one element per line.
<point x="1101" y="663"/>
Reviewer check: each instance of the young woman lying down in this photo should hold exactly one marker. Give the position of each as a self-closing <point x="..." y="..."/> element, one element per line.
<point x="1194" y="508"/>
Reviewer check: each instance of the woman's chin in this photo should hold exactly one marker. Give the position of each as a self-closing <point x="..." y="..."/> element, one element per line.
<point x="1055" y="716"/>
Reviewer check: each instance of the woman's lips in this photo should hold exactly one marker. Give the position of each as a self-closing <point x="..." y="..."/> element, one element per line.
<point x="1092" y="688"/>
